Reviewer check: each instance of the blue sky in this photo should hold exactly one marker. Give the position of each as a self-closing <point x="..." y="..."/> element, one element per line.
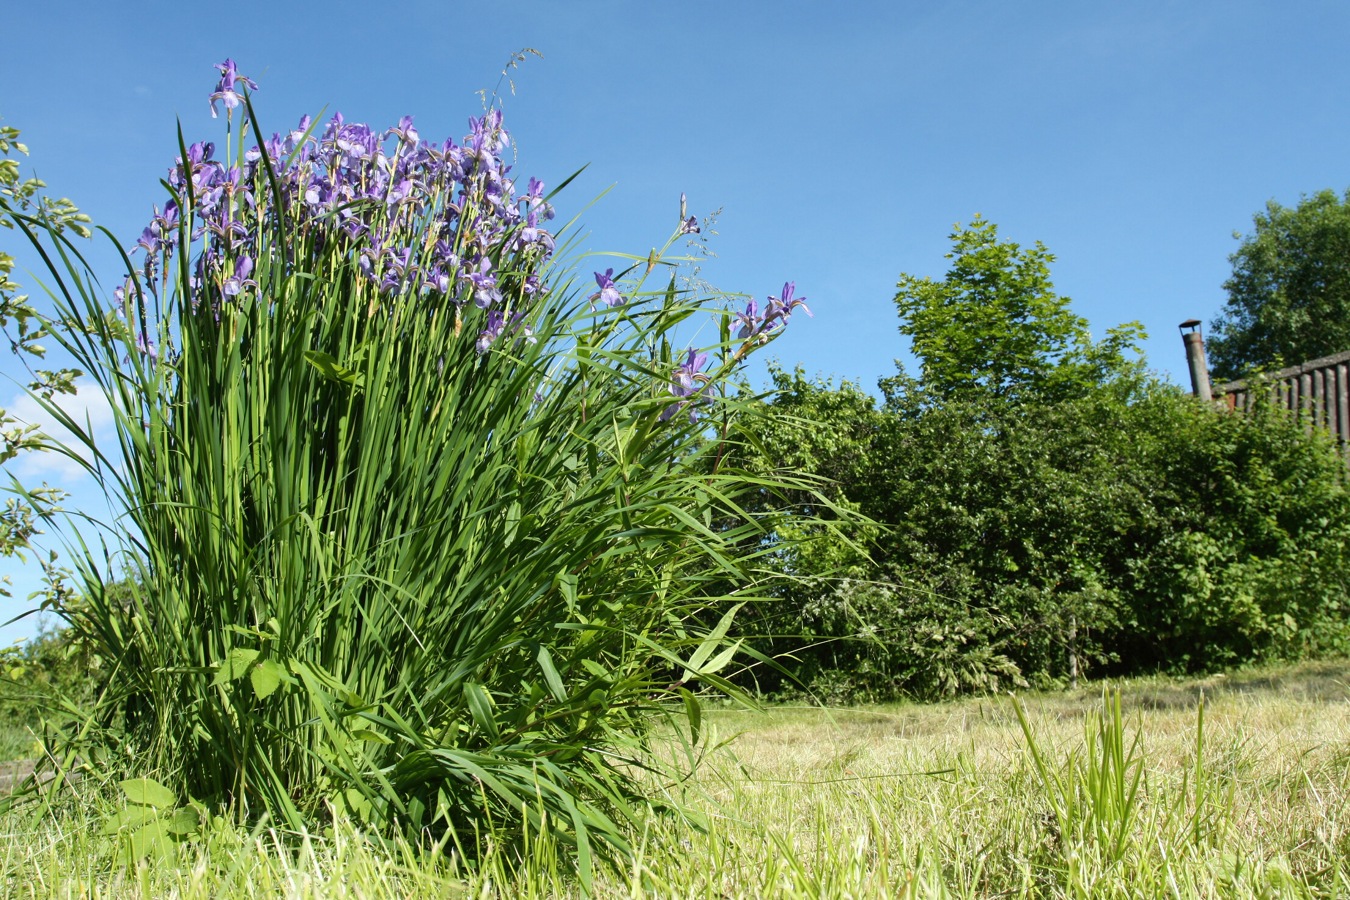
<point x="841" y="140"/>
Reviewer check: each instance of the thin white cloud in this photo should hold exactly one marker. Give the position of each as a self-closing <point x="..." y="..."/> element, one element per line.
<point x="89" y="408"/>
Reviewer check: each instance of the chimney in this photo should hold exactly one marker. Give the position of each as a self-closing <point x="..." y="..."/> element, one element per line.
<point x="1195" y="358"/>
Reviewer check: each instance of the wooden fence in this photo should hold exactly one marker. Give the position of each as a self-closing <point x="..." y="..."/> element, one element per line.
<point x="1320" y="388"/>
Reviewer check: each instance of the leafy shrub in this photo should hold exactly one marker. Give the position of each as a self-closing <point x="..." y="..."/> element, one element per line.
<point x="1035" y="505"/>
<point x="1248" y="545"/>
<point x="1132" y="527"/>
<point x="421" y="530"/>
<point x="37" y="677"/>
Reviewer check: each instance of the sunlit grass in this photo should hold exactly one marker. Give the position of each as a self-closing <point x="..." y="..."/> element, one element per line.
<point x="882" y="801"/>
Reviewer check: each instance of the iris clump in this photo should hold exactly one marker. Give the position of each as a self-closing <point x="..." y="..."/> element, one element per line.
<point x="440" y="222"/>
<point x="412" y="532"/>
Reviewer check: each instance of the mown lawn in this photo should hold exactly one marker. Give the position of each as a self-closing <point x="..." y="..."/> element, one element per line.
<point x="942" y="800"/>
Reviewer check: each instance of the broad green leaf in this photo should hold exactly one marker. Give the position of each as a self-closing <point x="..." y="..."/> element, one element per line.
<point x="131" y="816"/>
<point x="235" y="664"/>
<point x="152" y="840"/>
<point x="357" y="803"/>
<point x="148" y="792"/>
<point x="266" y="677"/>
<point x="332" y="369"/>
<point x="183" y="822"/>
<point x="719" y="662"/>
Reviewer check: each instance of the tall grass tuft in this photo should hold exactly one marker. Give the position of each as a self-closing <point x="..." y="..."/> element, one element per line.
<point x="417" y="530"/>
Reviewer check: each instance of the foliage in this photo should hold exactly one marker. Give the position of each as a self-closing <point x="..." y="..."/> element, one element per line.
<point x="24" y="329"/>
<point x="825" y="433"/>
<point x="1289" y="294"/>
<point x="37" y="678"/>
<point x="1022" y="534"/>
<point x="1245" y="550"/>
<point x="994" y="330"/>
<point x="420" y="531"/>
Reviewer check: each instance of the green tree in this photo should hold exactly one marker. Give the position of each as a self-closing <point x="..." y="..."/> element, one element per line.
<point x="21" y="202"/>
<point x="994" y="328"/>
<point x="1044" y="505"/>
<point x="1289" y="294"/>
<point x="825" y="432"/>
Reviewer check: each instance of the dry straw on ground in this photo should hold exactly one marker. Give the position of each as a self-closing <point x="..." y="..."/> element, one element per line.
<point x="921" y="801"/>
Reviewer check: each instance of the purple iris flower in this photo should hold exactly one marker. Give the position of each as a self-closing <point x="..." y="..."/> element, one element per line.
<point x="399" y="193"/>
<point x="776" y="314"/>
<point x="405" y="131"/>
<point x="688" y="223"/>
<point x="146" y="346"/>
<point x="398" y="270"/>
<point x="531" y="234"/>
<point x="149" y="240"/>
<point x="356" y="141"/>
<point x="167" y="223"/>
<point x="243" y="267"/>
<point x="225" y="89"/>
<point x="201" y="152"/>
<point x="750" y="321"/>
<point x="534" y="200"/>
<point x="488" y="133"/>
<point x="438" y="280"/>
<point x="608" y="293"/>
<point x="198" y="155"/>
<point x="322" y="184"/>
<point x="687" y="372"/>
<point x="228" y="232"/>
<point x="354" y="228"/>
<point x="785" y="303"/>
<point x="485" y="292"/>
<point x="295" y="137"/>
<point x="496" y="321"/>
<point x="688" y="382"/>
